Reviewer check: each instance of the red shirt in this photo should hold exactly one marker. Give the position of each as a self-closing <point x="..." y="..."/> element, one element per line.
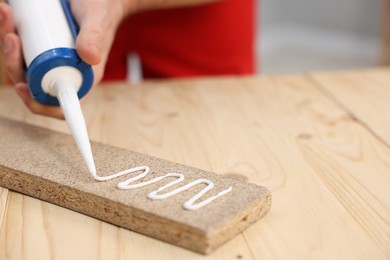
<point x="211" y="39"/>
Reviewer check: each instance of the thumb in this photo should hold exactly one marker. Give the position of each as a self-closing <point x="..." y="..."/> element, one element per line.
<point x="98" y="23"/>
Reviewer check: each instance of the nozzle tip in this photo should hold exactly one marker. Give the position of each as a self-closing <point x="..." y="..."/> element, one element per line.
<point x="91" y="168"/>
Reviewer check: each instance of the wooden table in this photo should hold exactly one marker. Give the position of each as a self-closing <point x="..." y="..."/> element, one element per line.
<point x="320" y="142"/>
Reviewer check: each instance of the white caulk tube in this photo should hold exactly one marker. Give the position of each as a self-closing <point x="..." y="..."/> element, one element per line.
<point x="55" y="73"/>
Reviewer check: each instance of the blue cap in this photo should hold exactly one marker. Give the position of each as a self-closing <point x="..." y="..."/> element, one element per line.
<point x="49" y="60"/>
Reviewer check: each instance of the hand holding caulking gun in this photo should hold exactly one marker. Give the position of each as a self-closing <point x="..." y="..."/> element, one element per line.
<point x="55" y="73"/>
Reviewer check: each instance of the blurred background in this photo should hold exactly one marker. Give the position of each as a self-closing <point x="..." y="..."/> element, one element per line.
<point x="311" y="35"/>
<point x="297" y="36"/>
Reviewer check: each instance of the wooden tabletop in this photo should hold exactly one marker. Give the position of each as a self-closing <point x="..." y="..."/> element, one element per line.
<point x="320" y="142"/>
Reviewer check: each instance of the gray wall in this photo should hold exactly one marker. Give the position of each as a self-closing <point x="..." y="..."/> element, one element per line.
<point x="349" y="16"/>
<point x="305" y="35"/>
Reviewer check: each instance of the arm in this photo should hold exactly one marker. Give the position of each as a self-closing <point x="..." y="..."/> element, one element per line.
<point x="98" y="21"/>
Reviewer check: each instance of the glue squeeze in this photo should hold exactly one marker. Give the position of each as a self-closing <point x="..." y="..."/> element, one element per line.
<point x="55" y="74"/>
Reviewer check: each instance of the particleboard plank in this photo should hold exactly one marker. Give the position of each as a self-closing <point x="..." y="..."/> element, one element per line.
<point x="46" y="165"/>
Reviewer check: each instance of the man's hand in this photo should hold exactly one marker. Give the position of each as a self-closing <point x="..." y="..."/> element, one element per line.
<point x="11" y="47"/>
<point x="98" y="21"/>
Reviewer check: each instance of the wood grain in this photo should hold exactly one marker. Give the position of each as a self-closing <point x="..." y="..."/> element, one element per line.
<point x="365" y="95"/>
<point x="3" y="204"/>
<point x="320" y="149"/>
<point x="328" y="173"/>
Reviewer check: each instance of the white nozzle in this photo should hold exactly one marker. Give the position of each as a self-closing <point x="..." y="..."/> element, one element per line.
<point x="70" y="105"/>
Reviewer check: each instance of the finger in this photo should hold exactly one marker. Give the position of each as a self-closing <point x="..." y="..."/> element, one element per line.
<point x="89" y="43"/>
<point x="6" y="21"/>
<point x="34" y="106"/>
<point x="13" y="57"/>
